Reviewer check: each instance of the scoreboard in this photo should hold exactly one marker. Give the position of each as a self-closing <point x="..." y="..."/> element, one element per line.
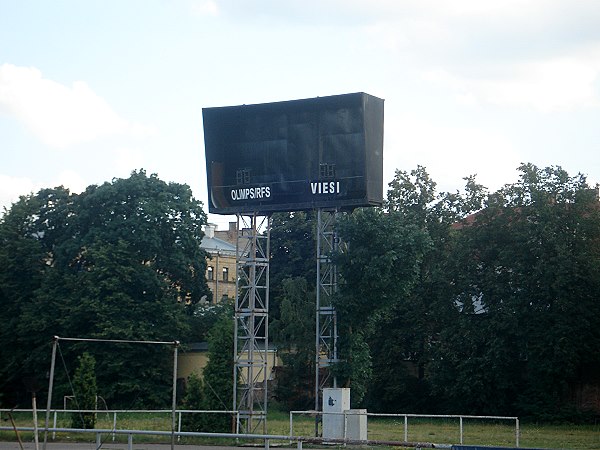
<point x="324" y="152"/>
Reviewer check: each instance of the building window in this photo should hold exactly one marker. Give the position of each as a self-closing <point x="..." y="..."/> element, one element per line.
<point x="225" y="274"/>
<point x="210" y="273"/>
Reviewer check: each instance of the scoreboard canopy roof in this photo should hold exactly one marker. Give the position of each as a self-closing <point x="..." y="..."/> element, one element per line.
<point x="324" y="152"/>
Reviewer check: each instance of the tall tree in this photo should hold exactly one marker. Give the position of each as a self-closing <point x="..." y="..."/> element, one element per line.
<point x="119" y="261"/>
<point x="378" y="270"/>
<point x="29" y="234"/>
<point x="527" y="281"/>
<point x="217" y="375"/>
<point x="293" y="253"/>
<point x="85" y="392"/>
<point x="294" y="335"/>
<point x="193" y="400"/>
<point x="408" y="290"/>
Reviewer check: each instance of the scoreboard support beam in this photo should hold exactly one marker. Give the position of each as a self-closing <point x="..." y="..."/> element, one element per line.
<point x="251" y="341"/>
<point x="328" y="243"/>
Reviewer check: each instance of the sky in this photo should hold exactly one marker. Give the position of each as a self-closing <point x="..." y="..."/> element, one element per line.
<point x="92" y="90"/>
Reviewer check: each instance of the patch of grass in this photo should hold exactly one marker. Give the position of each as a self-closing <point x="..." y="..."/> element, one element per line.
<point x="441" y="431"/>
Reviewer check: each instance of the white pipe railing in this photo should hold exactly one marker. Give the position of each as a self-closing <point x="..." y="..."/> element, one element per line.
<point x="114" y="412"/>
<point x="114" y="430"/>
<point x="424" y="416"/>
<point x="263" y="437"/>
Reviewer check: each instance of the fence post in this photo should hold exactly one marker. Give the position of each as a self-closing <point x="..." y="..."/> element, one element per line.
<point x="517" y="431"/>
<point x="405" y="428"/>
<point x="291" y="426"/>
<point x="179" y="427"/>
<point x="174" y="401"/>
<point x="50" y="385"/>
<point x="461" y="429"/>
<point x="130" y="442"/>
<point x="54" y="423"/>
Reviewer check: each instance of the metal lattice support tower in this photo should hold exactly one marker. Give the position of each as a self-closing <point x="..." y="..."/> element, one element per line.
<point x="326" y="317"/>
<point x="251" y="323"/>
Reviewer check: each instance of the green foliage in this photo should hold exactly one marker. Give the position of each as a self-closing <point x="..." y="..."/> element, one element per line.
<point x="193" y="400"/>
<point x="218" y="376"/>
<point x="355" y="370"/>
<point x="292" y="276"/>
<point x="525" y="287"/>
<point x="294" y="336"/>
<point x="380" y="267"/>
<point x="293" y="253"/>
<point x="119" y="261"/>
<point x="496" y="314"/>
<point x="205" y="316"/>
<point x="85" y="392"/>
<point x="404" y="337"/>
<point x="28" y="233"/>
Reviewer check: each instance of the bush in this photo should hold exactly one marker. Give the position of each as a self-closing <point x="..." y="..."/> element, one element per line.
<point x="84" y="390"/>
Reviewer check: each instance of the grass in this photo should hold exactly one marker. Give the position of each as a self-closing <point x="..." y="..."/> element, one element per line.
<point x="443" y="431"/>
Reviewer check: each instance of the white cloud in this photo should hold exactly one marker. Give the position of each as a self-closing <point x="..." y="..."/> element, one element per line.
<point x="556" y="84"/>
<point x="71" y="180"/>
<point x="60" y="116"/>
<point x="204" y="7"/>
<point x="11" y="188"/>
<point x="450" y="153"/>
<point x="128" y="160"/>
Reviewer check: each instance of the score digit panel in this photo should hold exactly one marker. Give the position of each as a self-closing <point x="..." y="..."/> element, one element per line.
<point x="325" y="152"/>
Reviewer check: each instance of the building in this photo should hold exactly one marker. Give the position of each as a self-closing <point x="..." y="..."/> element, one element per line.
<point x="221" y="267"/>
<point x="195" y="359"/>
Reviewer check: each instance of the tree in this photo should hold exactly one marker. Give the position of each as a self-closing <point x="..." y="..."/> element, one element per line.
<point x="378" y="270"/>
<point x="294" y="335"/>
<point x="85" y="392"/>
<point x="29" y="232"/>
<point x="293" y="254"/>
<point x="217" y="375"/>
<point x="396" y="287"/>
<point x="526" y="282"/>
<point x="193" y="400"/>
<point x="119" y="261"/>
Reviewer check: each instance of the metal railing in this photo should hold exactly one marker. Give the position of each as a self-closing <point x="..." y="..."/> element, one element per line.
<point x="422" y="416"/>
<point x="113" y="432"/>
<point x="299" y="440"/>
<point x="115" y="412"/>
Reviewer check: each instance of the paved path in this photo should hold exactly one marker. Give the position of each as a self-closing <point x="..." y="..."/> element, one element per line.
<point x="92" y="446"/>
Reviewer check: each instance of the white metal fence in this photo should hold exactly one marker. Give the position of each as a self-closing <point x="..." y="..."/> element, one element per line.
<point x="114" y="431"/>
<point x="461" y="419"/>
<point x="115" y="412"/>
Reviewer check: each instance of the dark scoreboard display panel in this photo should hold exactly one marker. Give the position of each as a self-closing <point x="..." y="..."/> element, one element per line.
<point x="324" y="152"/>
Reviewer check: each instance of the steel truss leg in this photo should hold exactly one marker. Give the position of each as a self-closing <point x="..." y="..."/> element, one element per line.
<point x="251" y="323"/>
<point x="326" y="317"/>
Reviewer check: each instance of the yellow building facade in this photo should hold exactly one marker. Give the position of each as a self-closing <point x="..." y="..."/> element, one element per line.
<point x="221" y="267"/>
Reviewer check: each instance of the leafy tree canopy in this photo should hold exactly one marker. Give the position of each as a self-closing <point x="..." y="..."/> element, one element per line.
<point x="119" y="261"/>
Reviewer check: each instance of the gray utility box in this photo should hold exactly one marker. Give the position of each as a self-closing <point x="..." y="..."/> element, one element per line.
<point x="339" y="421"/>
<point x="356" y="424"/>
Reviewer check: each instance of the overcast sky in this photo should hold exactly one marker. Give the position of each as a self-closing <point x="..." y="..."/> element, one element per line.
<point x="91" y="90"/>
